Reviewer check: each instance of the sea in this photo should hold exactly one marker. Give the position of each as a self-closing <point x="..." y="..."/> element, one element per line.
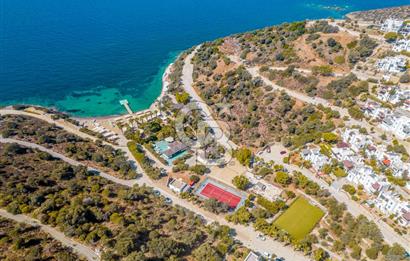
<point x="84" y="56"/>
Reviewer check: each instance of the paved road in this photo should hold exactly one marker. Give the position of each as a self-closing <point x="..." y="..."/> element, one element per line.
<point x="247" y="235"/>
<point x="187" y="82"/>
<point x="57" y="235"/>
<point x="47" y="117"/>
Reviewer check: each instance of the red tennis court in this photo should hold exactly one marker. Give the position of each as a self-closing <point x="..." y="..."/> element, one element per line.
<point x="212" y="191"/>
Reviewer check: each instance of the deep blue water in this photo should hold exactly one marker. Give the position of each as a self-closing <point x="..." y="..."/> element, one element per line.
<point x="82" y="56"/>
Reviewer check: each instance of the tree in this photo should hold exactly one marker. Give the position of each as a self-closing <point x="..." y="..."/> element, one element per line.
<point x="330" y="137"/>
<point x="320" y="254"/>
<point x="164" y="247"/>
<point x="391" y="36"/>
<point x="194" y="178"/>
<point x="405" y="78"/>
<point x="241" y="182"/>
<point x="272" y="206"/>
<point x="356" y="252"/>
<point x="339" y="172"/>
<point x="241" y="216"/>
<point x="199" y="169"/>
<point x="182" y="97"/>
<point x="301" y="180"/>
<point x="372" y="252"/>
<point x="264" y="171"/>
<point x="331" y="42"/>
<point x="244" y="156"/>
<point x="125" y="245"/>
<point x="339" y="59"/>
<point x="282" y="178"/>
<point x="324" y="70"/>
<point x="355" y="112"/>
<point x="395" y="253"/>
<point x="349" y="189"/>
<point x="206" y="252"/>
<point x="215" y="206"/>
<point x="13" y="149"/>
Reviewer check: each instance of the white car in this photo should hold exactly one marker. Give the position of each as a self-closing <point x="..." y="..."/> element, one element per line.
<point x="261" y="237"/>
<point x="267" y="255"/>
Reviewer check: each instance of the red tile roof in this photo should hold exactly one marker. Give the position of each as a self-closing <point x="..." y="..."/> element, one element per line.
<point x="386" y="162"/>
<point x="341" y="145"/>
<point x="376" y="186"/>
<point x="406" y="216"/>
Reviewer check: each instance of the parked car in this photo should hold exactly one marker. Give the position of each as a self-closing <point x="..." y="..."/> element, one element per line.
<point x="157" y="193"/>
<point x="163" y="172"/>
<point x="94" y="172"/>
<point x="283" y="152"/>
<point x="261" y="237"/>
<point x="168" y="200"/>
<point x="267" y="255"/>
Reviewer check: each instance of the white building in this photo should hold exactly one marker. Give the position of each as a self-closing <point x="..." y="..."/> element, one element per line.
<point x="252" y="257"/>
<point x="402" y="45"/>
<point x="393" y="161"/>
<point x="392" y="64"/>
<point x="365" y="176"/>
<point x="177" y="185"/>
<point x="393" y="94"/>
<point x="405" y="29"/>
<point x="398" y="125"/>
<point x="315" y="157"/>
<point x="356" y="140"/>
<point x="392" y="25"/>
<point x="390" y="203"/>
<point x="375" y="111"/>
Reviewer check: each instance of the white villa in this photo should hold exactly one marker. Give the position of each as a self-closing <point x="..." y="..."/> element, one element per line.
<point x="393" y="94"/>
<point x="347" y="156"/>
<point x="358" y="173"/>
<point x="356" y="140"/>
<point x="365" y="176"/>
<point x="402" y="45"/>
<point x="315" y="157"/>
<point x="392" y="25"/>
<point x="390" y="203"/>
<point x="392" y="64"/>
<point x="177" y="185"/>
<point x="375" y="111"/>
<point x="399" y="125"/>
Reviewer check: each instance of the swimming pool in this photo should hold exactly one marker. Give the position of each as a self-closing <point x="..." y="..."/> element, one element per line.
<point x="162" y="146"/>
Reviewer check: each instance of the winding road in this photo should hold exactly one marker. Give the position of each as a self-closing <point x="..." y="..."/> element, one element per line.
<point x="354" y="208"/>
<point x="80" y="249"/>
<point x="246" y="234"/>
<point x="187" y="82"/>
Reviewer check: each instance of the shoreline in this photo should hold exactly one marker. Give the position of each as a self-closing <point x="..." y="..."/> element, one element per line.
<point x="164" y="89"/>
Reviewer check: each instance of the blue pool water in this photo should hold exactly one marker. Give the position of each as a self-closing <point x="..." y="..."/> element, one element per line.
<point x="82" y="56"/>
<point x="162" y="146"/>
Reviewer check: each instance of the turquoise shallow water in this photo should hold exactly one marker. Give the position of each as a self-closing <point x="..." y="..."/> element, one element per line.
<point x="83" y="56"/>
